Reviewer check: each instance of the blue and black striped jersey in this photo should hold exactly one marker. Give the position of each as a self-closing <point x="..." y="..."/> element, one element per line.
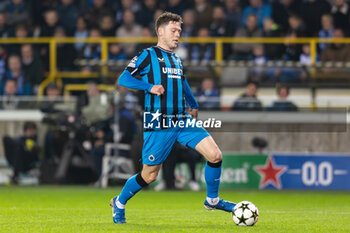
<point x="156" y="66"/>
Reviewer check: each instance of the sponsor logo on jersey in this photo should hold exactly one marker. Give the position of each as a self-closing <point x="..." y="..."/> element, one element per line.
<point x="172" y="72"/>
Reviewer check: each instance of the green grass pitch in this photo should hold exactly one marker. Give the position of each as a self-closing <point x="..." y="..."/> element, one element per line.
<point x="86" y="209"/>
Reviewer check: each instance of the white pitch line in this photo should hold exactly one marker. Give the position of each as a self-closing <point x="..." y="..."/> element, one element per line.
<point x="302" y="211"/>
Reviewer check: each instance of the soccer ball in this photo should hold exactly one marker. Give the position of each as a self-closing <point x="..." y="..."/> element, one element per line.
<point x="245" y="213"/>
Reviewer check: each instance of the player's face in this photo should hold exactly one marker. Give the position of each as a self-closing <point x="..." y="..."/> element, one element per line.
<point x="171" y="34"/>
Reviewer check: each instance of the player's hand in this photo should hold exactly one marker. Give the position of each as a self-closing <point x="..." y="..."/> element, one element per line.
<point x="193" y="112"/>
<point x="157" y="90"/>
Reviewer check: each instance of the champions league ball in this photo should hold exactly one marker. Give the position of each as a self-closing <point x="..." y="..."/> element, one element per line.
<point x="245" y="213"/>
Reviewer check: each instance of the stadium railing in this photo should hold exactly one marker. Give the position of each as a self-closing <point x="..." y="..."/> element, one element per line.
<point x="82" y="87"/>
<point x="54" y="75"/>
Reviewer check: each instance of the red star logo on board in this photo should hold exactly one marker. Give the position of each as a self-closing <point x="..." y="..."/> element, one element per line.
<point x="270" y="174"/>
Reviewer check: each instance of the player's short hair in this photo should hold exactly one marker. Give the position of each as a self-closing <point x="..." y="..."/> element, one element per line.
<point x="278" y="89"/>
<point x="29" y="125"/>
<point x="167" y="17"/>
<point x="252" y="83"/>
<point x="11" y="80"/>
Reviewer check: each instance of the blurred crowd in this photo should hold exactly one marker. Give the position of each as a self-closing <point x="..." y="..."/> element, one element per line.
<point x="26" y="64"/>
<point x="208" y="97"/>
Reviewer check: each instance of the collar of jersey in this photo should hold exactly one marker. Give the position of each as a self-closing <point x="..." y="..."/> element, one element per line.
<point x="164" y="49"/>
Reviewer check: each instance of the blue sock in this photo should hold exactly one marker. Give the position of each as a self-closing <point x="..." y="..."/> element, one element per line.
<point x="212" y="175"/>
<point x="131" y="187"/>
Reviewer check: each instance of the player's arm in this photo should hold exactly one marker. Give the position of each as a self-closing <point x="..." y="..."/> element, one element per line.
<point x="192" y="102"/>
<point x="129" y="81"/>
<point x="127" y="78"/>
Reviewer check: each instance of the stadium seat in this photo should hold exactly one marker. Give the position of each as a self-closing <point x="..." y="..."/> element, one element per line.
<point x="234" y="76"/>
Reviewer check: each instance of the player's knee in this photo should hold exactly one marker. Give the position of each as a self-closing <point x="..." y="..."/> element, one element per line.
<point x="151" y="177"/>
<point x="216" y="156"/>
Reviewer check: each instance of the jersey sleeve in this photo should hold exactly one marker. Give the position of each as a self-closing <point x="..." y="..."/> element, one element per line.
<point x="136" y="65"/>
<point x="192" y="102"/>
